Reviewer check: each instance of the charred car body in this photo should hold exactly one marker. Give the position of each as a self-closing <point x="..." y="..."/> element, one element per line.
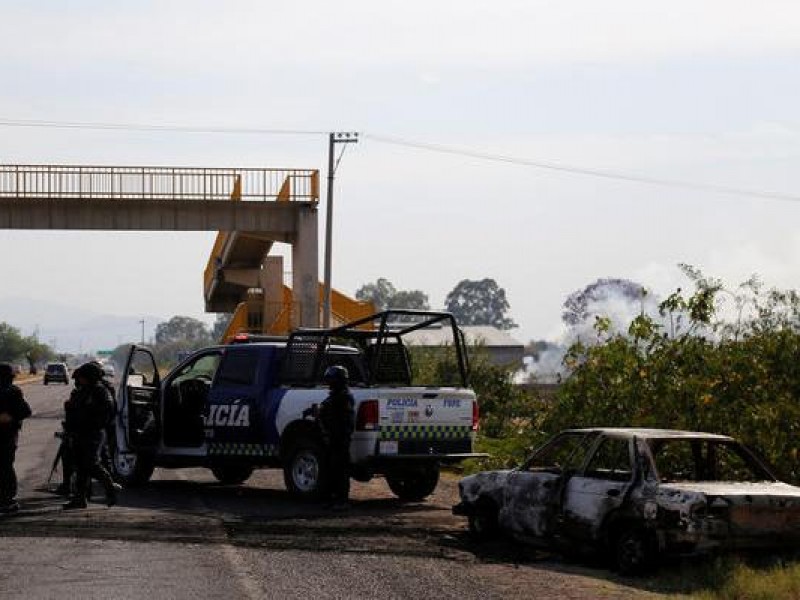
<point x="636" y="493"/>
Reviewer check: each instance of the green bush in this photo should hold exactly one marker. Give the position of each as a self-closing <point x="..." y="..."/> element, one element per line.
<point x="739" y="379"/>
<point x="510" y="416"/>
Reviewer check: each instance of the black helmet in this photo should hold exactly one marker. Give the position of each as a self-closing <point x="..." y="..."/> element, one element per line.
<point x="99" y="365"/>
<point x="336" y="375"/>
<point x="6" y="373"/>
<point x="90" y="371"/>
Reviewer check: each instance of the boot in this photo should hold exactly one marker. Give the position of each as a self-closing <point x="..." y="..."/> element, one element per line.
<point x="111" y="487"/>
<point x="112" y="493"/>
<point x="75" y="503"/>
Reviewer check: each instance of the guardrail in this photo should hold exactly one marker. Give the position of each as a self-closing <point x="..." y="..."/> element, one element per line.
<point x="157" y="183"/>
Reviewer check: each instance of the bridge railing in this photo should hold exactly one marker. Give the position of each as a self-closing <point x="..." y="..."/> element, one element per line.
<point x="157" y="183"/>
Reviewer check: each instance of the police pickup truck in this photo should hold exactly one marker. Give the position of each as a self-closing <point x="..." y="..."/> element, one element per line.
<point x="242" y="406"/>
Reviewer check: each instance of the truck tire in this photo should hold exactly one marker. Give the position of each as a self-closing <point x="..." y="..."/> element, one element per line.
<point x="131" y="468"/>
<point x="413" y="485"/>
<point x="305" y="469"/>
<point x="232" y="474"/>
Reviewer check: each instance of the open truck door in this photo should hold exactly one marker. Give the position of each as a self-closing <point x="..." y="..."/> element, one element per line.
<point x="139" y="418"/>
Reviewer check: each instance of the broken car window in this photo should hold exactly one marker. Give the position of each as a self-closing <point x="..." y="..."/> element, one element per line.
<point x="729" y="463"/>
<point x="567" y="451"/>
<point x="704" y="460"/>
<point x="611" y="461"/>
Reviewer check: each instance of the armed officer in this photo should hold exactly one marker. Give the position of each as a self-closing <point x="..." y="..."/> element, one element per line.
<point x="336" y="420"/>
<point x="13" y="410"/>
<point x="65" y="450"/>
<point x="88" y="412"/>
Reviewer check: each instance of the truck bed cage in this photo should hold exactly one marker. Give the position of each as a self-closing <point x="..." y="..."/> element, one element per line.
<point x="379" y="337"/>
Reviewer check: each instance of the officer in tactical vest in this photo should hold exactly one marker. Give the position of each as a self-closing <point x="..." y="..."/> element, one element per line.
<point x="65" y="451"/>
<point x="88" y="412"/>
<point x="13" y="410"/>
<point x="336" y="420"/>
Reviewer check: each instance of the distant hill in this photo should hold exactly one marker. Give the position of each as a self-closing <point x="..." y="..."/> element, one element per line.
<point x="74" y="329"/>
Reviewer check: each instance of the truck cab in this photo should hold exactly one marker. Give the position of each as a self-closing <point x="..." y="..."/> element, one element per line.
<point x="243" y="406"/>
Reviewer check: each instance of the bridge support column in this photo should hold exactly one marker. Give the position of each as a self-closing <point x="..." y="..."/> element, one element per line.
<point x="305" y="267"/>
<point x="272" y="285"/>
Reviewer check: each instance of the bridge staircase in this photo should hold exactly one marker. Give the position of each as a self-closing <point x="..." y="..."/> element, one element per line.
<point x="242" y="278"/>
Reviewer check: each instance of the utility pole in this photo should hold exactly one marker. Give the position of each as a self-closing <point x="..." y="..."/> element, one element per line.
<point x="142" y="323"/>
<point x="333" y="139"/>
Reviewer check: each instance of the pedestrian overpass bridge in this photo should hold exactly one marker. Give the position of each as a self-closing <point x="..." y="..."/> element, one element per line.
<point x="250" y="208"/>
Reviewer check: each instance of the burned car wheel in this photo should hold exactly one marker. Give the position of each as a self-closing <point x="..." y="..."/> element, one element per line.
<point x="483" y="524"/>
<point x="634" y="551"/>
<point x="413" y="485"/>
<point x="232" y="474"/>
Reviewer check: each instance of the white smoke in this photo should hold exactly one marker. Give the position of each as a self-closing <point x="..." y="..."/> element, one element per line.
<point x="610" y="303"/>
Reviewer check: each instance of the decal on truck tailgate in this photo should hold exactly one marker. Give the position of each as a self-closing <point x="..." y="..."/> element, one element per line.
<point x="416" y="432"/>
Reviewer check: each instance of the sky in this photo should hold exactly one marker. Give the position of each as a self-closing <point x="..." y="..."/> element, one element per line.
<point x="705" y="92"/>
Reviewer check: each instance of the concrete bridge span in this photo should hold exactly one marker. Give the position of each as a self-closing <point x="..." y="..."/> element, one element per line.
<point x="243" y="204"/>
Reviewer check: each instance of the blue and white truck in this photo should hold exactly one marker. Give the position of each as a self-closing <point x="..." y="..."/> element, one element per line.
<point x="239" y="407"/>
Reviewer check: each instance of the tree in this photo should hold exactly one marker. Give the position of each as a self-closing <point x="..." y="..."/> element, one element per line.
<point x="384" y="295"/>
<point x="479" y="302"/>
<point x="379" y="293"/>
<point x="182" y="329"/>
<point x="12" y="344"/>
<point x="414" y="299"/>
<point x="578" y="306"/>
<point x="179" y="334"/>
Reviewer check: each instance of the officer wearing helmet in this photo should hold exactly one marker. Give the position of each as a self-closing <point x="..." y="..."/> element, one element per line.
<point x="13" y="410"/>
<point x="65" y="451"/>
<point x="336" y="420"/>
<point x="88" y="412"/>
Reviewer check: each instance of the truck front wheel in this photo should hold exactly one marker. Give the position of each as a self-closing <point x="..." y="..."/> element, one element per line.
<point x="305" y="469"/>
<point x="131" y="468"/>
<point x="413" y="484"/>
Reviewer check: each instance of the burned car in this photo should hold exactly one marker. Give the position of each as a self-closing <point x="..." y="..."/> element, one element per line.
<point x="636" y="494"/>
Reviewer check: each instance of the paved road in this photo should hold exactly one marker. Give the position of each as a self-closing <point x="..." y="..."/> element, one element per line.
<point x="185" y="536"/>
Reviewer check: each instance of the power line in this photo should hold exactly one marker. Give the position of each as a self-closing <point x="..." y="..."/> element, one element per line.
<point x="577" y="170"/>
<point x="430" y="147"/>
<point x="146" y="127"/>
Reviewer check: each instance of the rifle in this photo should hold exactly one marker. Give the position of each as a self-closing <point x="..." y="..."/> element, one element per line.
<point x="63" y="437"/>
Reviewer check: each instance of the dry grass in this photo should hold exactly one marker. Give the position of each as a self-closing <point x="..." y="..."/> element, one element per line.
<point x="764" y="577"/>
<point x="748" y="583"/>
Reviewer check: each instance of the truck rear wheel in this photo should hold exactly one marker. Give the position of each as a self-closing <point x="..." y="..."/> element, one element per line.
<point x="131" y="468"/>
<point x="413" y="484"/>
<point x="305" y="469"/>
<point x="232" y="474"/>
